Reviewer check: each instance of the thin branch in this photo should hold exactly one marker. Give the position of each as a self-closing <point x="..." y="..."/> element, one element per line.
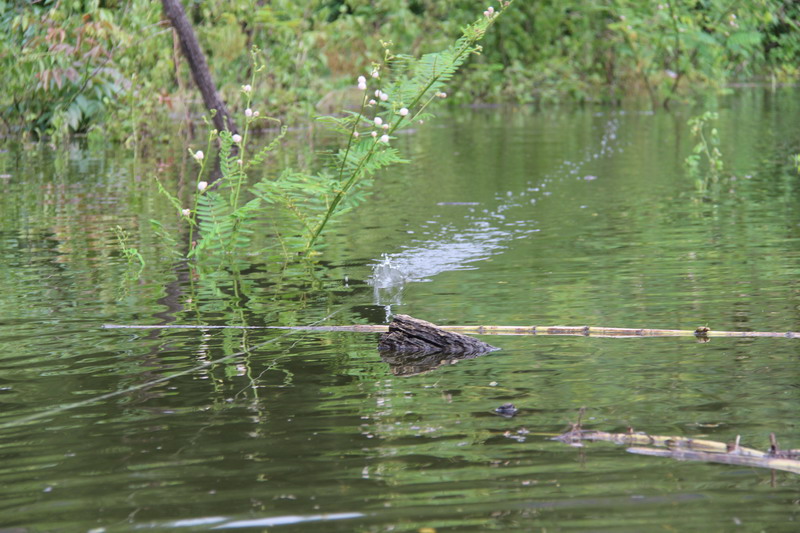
<point x="577" y="331"/>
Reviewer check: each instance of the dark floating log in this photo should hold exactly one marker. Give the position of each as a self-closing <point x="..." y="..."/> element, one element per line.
<point x="408" y="335"/>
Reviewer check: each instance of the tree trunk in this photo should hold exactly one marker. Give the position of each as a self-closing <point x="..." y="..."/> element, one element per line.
<point x="197" y="63"/>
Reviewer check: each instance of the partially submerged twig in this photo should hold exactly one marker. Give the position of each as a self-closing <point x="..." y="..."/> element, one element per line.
<point x="689" y="449"/>
<point x="731" y="458"/>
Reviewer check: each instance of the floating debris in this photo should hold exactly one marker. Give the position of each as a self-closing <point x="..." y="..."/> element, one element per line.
<point x="507" y="410"/>
<point x="689" y="449"/>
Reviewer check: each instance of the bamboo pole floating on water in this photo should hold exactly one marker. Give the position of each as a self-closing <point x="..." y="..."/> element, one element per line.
<point x="577" y="331"/>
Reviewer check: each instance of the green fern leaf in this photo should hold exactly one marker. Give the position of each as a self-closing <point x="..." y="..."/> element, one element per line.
<point x="262" y="154"/>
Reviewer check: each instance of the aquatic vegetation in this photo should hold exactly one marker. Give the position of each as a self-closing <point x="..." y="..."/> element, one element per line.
<point x="397" y="93"/>
<point x="705" y="151"/>
<point x="131" y="253"/>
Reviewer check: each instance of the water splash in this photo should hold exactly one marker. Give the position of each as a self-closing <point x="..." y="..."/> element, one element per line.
<point x="387" y="283"/>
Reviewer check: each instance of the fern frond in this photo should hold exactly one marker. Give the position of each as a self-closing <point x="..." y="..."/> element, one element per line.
<point x="262" y="154"/>
<point x="227" y="156"/>
<point x="368" y="156"/>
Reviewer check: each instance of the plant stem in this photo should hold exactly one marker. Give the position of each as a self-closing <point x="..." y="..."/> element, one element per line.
<point x="466" y="45"/>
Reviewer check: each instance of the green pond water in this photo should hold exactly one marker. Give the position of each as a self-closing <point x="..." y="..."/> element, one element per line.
<point x="505" y="217"/>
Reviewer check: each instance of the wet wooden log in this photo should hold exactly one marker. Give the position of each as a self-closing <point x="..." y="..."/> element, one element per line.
<point x="409" y="335"/>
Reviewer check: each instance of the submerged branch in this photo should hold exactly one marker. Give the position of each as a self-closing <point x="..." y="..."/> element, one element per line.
<point x="689" y="449"/>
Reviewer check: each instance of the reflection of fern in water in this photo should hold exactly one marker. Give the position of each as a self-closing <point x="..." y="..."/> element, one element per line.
<point x="707" y="148"/>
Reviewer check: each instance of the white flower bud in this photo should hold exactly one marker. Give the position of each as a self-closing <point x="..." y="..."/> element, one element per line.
<point x="198" y="155"/>
<point x="186" y="212"/>
<point x="248" y="112"/>
<point x="246" y="89"/>
<point x="236" y="138"/>
<point x="202" y="185"/>
<point x="378" y="121"/>
<point x="385" y="139"/>
<point x="403" y="112"/>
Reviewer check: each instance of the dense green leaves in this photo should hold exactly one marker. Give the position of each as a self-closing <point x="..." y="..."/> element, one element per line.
<point x="72" y="66"/>
<point x="65" y="66"/>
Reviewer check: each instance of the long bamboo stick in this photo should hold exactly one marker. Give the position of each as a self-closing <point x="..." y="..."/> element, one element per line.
<point x="579" y="331"/>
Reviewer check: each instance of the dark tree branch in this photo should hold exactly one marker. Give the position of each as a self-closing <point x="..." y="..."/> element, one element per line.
<point x="198" y="65"/>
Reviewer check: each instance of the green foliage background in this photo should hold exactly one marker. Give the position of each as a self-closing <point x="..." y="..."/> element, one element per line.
<point x="113" y="66"/>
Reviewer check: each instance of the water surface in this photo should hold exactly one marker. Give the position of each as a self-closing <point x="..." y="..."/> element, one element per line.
<point x="505" y="217"/>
